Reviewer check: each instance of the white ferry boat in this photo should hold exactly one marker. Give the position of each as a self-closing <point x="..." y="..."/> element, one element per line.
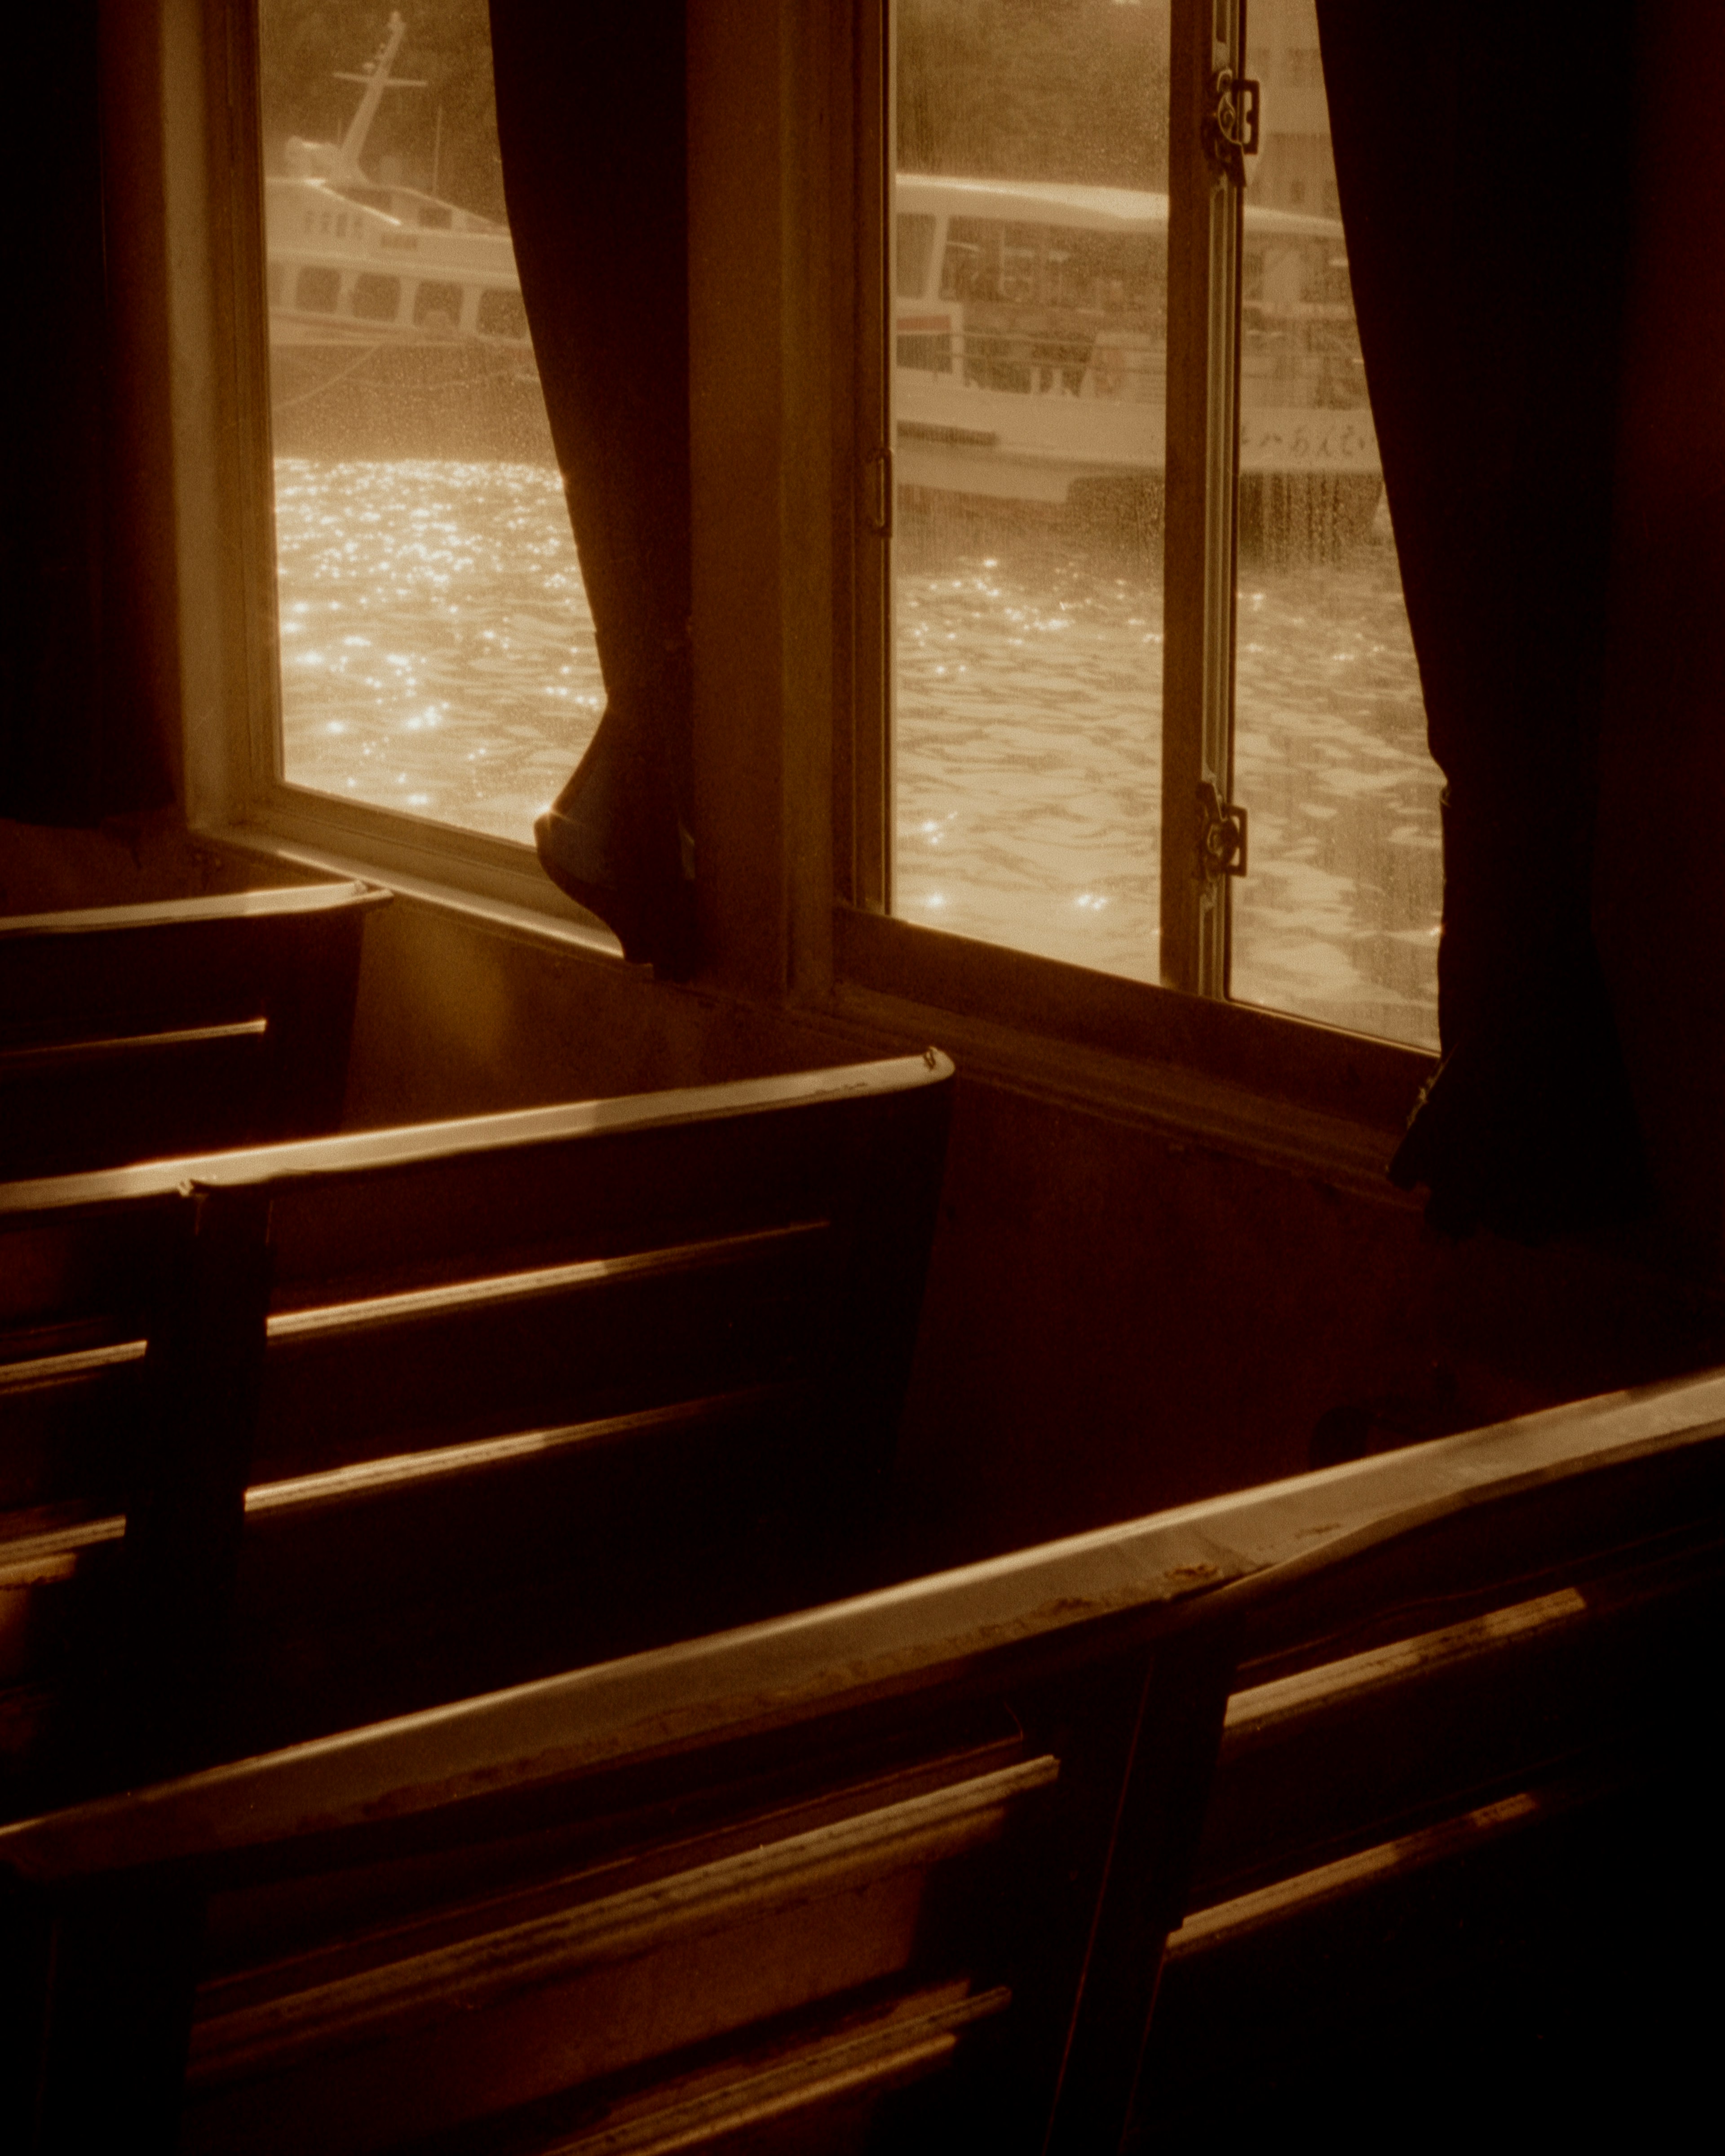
<point x="394" y="315"/>
<point x="1032" y="347"/>
<point x="1031" y="342"/>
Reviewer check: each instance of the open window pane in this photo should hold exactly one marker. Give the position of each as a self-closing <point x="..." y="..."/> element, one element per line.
<point x="1030" y="391"/>
<point x="436" y="654"/>
<point x="1337" y="918"/>
<point x="1030" y="280"/>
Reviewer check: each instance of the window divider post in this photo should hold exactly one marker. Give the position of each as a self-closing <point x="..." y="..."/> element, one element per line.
<point x="1201" y="485"/>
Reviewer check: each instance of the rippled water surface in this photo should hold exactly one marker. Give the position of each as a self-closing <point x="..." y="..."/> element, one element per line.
<point x="438" y="657"/>
<point x="436" y="654"/>
<point x="1338" y="917"/>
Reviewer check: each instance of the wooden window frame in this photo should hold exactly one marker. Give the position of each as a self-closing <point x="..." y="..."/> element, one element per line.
<point x="217" y="394"/>
<point x="790" y="110"/>
<point x="888" y="968"/>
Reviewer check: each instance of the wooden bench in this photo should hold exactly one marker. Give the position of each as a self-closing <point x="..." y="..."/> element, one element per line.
<point x="758" y="1881"/>
<point x="919" y="1850"/>
<point x="1456" y="1842"/>
<point x="131" y="1032"/>
<point x="491" y="1397"/>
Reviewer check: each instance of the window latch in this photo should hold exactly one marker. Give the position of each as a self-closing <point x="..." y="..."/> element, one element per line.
<point x="1221" y="835"/>
<point x="878" y="492"/>
<point x="1231" y="126"/>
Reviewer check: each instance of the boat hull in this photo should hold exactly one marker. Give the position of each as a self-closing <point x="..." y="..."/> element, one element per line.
<point x="964" y="438"/>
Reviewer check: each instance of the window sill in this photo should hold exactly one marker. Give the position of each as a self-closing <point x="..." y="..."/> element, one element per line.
<point x="1279" y="1090"/>
<point x="1303" y="1097"/>
<point x="438" y="863"/>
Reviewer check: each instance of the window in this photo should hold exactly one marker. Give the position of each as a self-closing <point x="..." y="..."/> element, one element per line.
<point x="1093" y="676"/>
<point x="915" y="251"/>
<point x="316" y="290"/>
<point x="501" y="315"/>
<point x="438" y="307"/>
<point x="436" y="672"/>
<point x="397" y="622"/>
<point x="376" y="299"/>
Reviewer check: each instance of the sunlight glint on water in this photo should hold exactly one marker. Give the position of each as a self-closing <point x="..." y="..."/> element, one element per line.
<point x="1027" y="740"/>
<point x="436" y="654"/>
<point x="1029" y="759"/>
<point x="1338" y="918"/>
<point x="438" y="659"/>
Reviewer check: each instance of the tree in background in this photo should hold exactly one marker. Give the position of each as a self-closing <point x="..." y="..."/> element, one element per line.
<point x="1048" y="90"/>
<point x="1042" y="89"/>
<point x="452" y="121"/>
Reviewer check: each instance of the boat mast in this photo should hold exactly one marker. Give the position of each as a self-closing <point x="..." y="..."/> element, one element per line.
<point x="376" y="80"/>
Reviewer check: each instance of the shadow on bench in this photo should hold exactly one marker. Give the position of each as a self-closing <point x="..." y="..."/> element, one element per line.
<point x="898" y="1870"/>
<point x="134" y="1031"/>
<point x="428" y="1411"/>
<point x="1458" y="1846"/>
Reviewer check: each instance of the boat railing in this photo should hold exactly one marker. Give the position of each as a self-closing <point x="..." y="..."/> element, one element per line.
<point x="1292" y="359"/>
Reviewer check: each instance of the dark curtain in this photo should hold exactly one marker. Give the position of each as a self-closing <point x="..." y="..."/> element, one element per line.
<point x="75" y="744"/>
<point x="590" y="114"/>
<point x="1484" y="157"/>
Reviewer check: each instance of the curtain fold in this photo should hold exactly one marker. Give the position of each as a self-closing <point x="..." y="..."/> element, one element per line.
<point x="591" y="118"/>
<point x="1484" y="160"/>
<point x="77" y="744"/>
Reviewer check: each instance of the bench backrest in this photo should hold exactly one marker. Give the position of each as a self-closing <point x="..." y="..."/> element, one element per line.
<point x="131" y="1335"/>
<point x="1447" y="1714"/>
<point x="131" y="1032"/>
<point x="849" y="1856"/>
<point x="923" y="1847"/>
<point x="534" y="1387"/>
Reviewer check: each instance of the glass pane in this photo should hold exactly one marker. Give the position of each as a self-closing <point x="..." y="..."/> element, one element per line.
<point x="437" y="654"/>
<point x="1337" y="918"/>
<point x="1030" y="275"/>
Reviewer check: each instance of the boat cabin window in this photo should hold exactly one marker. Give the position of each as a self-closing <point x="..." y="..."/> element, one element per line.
<point x="376" y="299"/>
<point x="1176" y="738"/>
<point x="1081" y="278"/>
<point x="915" y="251"/>
<point x="317" y="289"/>
<point x="438" y="307"/>
<point x="501" y="315"/>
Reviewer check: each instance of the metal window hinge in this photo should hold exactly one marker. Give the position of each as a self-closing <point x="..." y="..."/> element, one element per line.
<point x="1231" y="126"/>
<point x="1221" y="835"/>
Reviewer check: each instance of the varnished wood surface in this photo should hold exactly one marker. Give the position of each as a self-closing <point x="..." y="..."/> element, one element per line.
<point x="534" y="1388"/>
<point x="432" y="1976"/>
<point x="133" y="1031"/>
<point x="228" y="905"/>
<point x="752" y="1871"/>
<point x="999" y="1778"/>
<point x="1252" y="1550"/>
<point x="409" y="1145"/>
<point x="69" y="1054"/>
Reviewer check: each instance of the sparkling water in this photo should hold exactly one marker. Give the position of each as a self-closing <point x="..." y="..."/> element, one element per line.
<point x="438" y="659"/>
